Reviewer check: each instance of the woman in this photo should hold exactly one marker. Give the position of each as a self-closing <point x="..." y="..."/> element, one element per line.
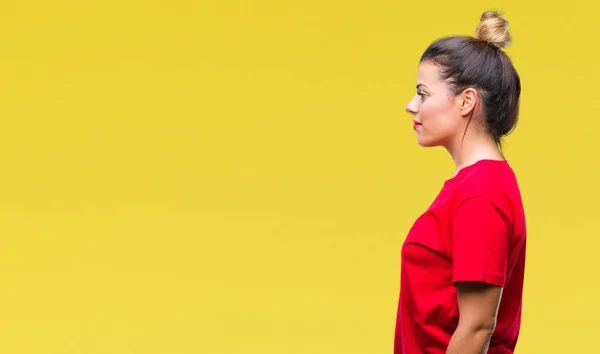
<point x="463" y="261"/>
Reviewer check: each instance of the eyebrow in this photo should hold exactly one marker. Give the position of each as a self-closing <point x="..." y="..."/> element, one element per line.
<point x="421" y="85"/>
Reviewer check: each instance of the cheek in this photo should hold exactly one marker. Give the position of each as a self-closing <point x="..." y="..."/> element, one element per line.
<point x="439" y="124"/>
<point x="438" y="113"/>
<point x="433" y="116"/>
<point x="430" y="108"/>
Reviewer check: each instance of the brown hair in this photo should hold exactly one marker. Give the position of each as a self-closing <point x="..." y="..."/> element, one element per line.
<point x="479" y="63"/>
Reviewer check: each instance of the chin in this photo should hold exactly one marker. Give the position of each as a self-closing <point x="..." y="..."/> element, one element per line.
<point x="426" y="143"/>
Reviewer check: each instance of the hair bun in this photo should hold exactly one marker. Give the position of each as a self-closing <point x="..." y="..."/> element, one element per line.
<point x="493" y="28"/>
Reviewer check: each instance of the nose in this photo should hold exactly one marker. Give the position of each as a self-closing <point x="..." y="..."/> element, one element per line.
<point x="411" y="107"/>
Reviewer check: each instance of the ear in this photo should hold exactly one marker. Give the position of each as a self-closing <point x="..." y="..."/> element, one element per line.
<point x="467" y="101"/>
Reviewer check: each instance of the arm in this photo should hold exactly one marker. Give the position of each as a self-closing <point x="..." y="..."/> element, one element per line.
<point x="478" y="306"/>
<point x="481" y="238"/>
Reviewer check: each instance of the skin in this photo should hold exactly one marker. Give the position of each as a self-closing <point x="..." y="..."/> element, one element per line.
<point x="445" y="122"/>
<point x="444" y="118"/>
<point x="478" y="307"/>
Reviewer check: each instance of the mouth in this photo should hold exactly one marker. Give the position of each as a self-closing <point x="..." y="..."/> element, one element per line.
<point x="416" y="124"/>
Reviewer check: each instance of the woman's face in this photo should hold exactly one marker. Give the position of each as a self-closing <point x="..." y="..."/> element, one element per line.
<point x="436" y="111"/>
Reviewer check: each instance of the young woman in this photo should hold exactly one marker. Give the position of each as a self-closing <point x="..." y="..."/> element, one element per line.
<point x="463" y="260"/>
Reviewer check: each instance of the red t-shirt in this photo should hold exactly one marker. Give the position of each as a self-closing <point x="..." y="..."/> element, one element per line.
<point x="473" y="231"/>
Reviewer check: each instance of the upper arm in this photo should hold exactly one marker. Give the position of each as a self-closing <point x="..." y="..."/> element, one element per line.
<point x="478" y="305"/>
<point x="481" y="239"/>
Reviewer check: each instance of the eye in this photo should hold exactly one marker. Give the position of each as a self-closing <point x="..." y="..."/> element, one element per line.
<point x="422" y="95"/>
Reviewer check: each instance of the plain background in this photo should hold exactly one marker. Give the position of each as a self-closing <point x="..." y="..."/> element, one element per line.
<point x="226" y="177"/>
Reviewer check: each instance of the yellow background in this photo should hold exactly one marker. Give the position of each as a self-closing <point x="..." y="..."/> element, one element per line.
<point x="228" y="177"/>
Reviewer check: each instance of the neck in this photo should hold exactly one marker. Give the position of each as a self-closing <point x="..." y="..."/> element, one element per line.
<point x="472" y="149"/>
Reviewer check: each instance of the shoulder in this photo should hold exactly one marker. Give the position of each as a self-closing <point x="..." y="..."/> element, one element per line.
<point x="493" y="184"/>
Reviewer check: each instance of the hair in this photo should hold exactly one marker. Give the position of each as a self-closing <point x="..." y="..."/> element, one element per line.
<point x="480" y="63"/>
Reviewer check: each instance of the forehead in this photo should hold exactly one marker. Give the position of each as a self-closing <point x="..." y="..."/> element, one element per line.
<point x="428" y="74"/>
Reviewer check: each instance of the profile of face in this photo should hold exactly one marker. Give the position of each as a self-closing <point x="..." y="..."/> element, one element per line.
<point x="437" y="112"/>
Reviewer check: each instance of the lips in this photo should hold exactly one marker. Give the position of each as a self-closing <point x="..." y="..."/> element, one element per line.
<point x="416" y="124"/>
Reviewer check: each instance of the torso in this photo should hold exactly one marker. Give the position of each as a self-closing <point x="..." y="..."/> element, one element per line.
<point x="427" y="309"/>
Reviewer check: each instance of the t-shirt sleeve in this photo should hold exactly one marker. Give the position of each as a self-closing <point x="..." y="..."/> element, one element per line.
<point x="481" y="233"/>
